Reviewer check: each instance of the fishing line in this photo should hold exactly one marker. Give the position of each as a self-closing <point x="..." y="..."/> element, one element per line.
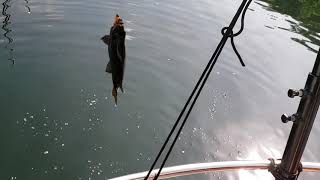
<point x="226" y="32"/>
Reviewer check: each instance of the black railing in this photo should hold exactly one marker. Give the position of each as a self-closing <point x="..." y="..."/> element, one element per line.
<point x="290" y="166"/>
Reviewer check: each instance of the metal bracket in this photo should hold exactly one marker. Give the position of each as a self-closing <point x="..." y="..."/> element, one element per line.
<point x="281" y="174"/>
<point x="286" y="118"/>
<point x="292" y="93"/>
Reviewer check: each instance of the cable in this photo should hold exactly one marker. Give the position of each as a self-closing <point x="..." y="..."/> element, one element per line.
<point x="178" y="119"/>
<point x="231" y="35"/>
<point x="214" y="58"/>
<point x="205" y="74"/>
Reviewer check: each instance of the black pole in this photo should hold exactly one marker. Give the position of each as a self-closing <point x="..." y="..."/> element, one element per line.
<point x="290" y="166"/>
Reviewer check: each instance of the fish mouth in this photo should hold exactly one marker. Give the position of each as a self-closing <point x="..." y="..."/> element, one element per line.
<point x="118" y="20"/>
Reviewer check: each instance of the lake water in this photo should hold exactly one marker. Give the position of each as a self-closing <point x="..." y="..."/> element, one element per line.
<point x="58" y="119"/>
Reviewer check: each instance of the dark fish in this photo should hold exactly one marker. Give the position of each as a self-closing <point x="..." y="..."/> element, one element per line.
<point x="117" y="54"/>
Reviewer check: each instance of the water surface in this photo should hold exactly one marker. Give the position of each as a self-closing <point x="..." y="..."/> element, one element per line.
<point x="58" y="116"/>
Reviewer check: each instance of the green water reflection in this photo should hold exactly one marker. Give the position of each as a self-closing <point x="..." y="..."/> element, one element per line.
<point x="7" y="29"/>
<point x="307" y="12"/>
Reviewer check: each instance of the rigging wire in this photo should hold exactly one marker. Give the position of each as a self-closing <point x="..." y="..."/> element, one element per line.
<point x="226" y="32"/>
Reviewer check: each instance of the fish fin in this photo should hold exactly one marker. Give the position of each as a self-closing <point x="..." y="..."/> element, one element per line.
<point x="108" y="68"/>
<point x="106" y="39"/>
<point x="114" y="94"/>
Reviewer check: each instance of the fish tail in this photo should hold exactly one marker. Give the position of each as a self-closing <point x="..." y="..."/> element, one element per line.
<point x="114" y="94"/>
<point x="121" y="88"/>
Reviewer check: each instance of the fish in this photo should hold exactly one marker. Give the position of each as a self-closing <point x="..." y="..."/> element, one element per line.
<point x="117" y="54"/>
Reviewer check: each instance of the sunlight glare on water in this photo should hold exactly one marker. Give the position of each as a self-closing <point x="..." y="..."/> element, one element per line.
<point x="254" y="154"/>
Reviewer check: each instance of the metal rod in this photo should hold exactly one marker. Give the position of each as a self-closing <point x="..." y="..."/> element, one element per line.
<point x="316" y="69"/>
<point x="201" y="168"/>
<point x="301" y="128"/>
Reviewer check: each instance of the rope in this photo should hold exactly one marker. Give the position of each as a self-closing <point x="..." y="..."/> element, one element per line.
<point x="205" y="74"/>
<point x="231" y="35"/>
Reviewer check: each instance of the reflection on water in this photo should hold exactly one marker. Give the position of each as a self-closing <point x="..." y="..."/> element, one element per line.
<point x="27" y="6"/>
<point x="255" y="154"/>
<point x="307" y="13"/>
<point x="7" y="30"/>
